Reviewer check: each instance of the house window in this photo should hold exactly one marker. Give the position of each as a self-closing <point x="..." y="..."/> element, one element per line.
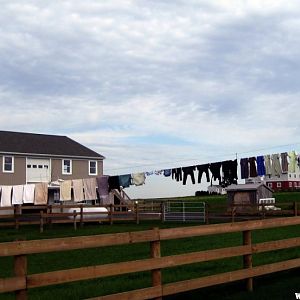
<point x="93" y="167"/>
<point x="290" y="184"/>
<point x="295" y="184"/>
<point x="270" y="184"/>
<point x="66" y="166"/>
<point x="279" y="184"/>
<point x="8" y="164"/>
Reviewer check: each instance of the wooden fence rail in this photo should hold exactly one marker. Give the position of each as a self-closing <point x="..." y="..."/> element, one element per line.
<point x="54" y="214"/>
<point x="21" y="282"/>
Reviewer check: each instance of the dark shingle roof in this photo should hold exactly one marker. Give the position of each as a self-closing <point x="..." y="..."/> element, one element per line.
<point x="20" y="142"/>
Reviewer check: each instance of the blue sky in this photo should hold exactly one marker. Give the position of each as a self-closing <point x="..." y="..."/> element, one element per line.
<point x="153" y="84"/>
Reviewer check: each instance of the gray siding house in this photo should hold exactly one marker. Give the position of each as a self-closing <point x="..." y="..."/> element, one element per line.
<point x="30" y="158"/>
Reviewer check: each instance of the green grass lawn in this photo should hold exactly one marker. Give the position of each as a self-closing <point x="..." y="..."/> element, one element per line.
<point x="277" y="286"/>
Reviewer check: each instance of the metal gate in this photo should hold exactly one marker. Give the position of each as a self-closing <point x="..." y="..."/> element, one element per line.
<point x="184" y="211"/>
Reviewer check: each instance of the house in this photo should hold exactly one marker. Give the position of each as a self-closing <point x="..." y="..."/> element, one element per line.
<point x="30" y="158"/>
<point x="248" y="195"/>
<point x="289" y="181"/>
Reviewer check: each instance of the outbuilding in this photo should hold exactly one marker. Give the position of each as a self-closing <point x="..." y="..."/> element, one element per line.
<point x="247" y="194"/>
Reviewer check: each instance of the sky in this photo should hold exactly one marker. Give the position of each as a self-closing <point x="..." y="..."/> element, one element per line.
<point x="154" y="84"/>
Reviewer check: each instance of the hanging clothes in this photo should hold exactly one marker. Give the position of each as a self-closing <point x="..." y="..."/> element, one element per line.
<point x="167" y="172"/>
<point x="103" y="188"/>
<point x="138" y="179"/>
<point x="244" y="163"/>
<point x="268" y="166"/>
<point x="149" y="173"/>
<point x="65" y="190"/>
<point x="229" y="168"/>
<point x="125" y="180"/>
<point x="203" y="169"/>
<point x="292" y="164"/>
<point x="6" y="195"/>
<point x="215" y="169"/>
<point x="188" y="171"/>
<point x="276" y="167"/>
<point x="252" y="163"/>
<point x="41" y="194"/>
<point x="177" y="174"/>
<point x="28" y="193"/>
<point x="284" y="162"/>
<point x="113" y="183"/>
<point x="78" y="190"/>
<point x="17" y="194"/>
<point x="261" y="169"/>
<point x="158" y="172"/>
<point x="89" y="186"/>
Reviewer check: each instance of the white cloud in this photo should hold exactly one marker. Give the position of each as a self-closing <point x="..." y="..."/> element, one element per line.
<point x="149" y="82"/>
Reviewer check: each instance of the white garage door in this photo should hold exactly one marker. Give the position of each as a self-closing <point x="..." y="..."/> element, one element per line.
<point x="38" y="170"/>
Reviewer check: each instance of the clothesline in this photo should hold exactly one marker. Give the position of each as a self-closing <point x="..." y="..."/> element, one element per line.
<point x="231" y="154"/>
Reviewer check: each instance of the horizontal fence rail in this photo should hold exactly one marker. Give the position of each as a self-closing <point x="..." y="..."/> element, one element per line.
<point x="21" y="282"/>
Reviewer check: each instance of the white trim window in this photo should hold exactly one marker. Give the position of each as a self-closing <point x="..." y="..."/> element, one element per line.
<point x="8" y="164"/>
<point x="93" y="167"/>
<point x="67" y="166"/>
<point x="279" y="184"/>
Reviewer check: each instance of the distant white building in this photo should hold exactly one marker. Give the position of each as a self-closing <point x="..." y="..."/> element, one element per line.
<point x="216" y="189"/>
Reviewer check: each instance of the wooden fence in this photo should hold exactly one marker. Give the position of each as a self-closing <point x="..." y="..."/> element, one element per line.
<point x="21" y="281"/>
<point x="43" y="215"/>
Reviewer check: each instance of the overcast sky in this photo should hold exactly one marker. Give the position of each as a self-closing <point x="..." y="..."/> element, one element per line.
<point x="153" y="84"/>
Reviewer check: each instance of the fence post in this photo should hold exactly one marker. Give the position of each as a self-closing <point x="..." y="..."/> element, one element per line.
<point x="232" y="213"/>
<point x="17" y="214"/>
<point x="74" y="217"/>
<point x="295" y="209"/>
<point x="110" y="214"/>
<point x="162" y="212"/>
<point x="50" y="219"/>
<point x="156" y="253"/>
<point x="41" y="222"/>
<point x="206" y="213"/>
<point x="81" y="215"/>
<point x="137" y="216"/>
<point x="20" y="270"/>
<point x="247" y="259"/>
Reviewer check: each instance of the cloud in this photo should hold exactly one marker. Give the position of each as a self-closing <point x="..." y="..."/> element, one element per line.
<point x="152" y="82"/>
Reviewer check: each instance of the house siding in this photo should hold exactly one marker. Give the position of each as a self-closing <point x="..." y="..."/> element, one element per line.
<point x="80" y="169"/>
<point x="19" y="174"/>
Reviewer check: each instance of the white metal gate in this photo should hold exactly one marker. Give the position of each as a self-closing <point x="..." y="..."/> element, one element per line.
<point x="181" y="211"/>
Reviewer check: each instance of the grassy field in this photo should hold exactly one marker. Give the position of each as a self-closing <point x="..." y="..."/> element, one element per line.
<point x="277" y="286"/>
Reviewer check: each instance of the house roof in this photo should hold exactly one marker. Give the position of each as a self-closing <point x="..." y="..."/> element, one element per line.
<point x="246" y="187"/>
<point x="43" y="144"/>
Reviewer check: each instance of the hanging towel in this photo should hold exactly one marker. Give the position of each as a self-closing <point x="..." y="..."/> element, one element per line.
<point x="41" y="193"/>
<point x="28" y="193"/>
<point x="292" y="163"/>
<point x="253" y="170"/>
<point x="267" y="159"/>
<point x="89" y="185"/>
<point x="261" y="169"/>
<point x="125" y="180"/>
<point x="78" y="190"/>
<point x="102" y="182"/>
<point x="276" y="167"/>
<point x="138" y="179"/>
<point x="244" y="162"/>
<point x="6" y="195"/>
<point x="284" y="162"/>
<point x="113" y="183"/>
<point x="17" y="195"/>
<point x="65" y="190"/>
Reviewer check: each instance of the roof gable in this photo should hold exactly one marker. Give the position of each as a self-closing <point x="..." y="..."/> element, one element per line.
<point x="31" y="143"/>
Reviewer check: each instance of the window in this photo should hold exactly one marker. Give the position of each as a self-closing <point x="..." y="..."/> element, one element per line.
<point x="279" y="184"/>
<point x="290" y="184"/>
<point x="28" y="166"/>
<point x="295" y="184"/>
<point x="40" y="166"/>
<point x="93" y="167"/>
<point x="270" y="184"/>
<point x="8" y="164"/>
<point x="67" y="166"/>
